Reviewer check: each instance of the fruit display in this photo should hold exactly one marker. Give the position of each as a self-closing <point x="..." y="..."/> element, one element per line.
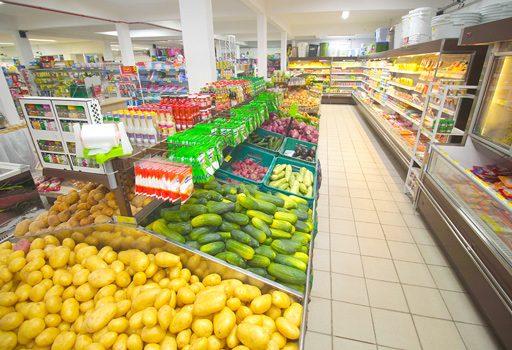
<point x="267" y="234"/>
<point x="63" y="292"/>
<point x="302" y="131"/>
<point x="249" y="169"/>
<point x="277" y="125"/>
<point x="302" y="97"/>
<point x="268" y="141"/>
<point x="298" y="181"/>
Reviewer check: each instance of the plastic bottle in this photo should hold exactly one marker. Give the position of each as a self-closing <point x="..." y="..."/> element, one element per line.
<point x="150" y="129"/>
<point x="129" y="126"/>
<point x="143" y="116"/>
<point x="136" y="128"/>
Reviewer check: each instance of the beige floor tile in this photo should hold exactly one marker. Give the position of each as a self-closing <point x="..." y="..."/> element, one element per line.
<point x="337" y="190"/>
<point x="386" y="206"/>
<point x="357" y="184"/>
<point x="376" y="186"/>
<point x="426" y="302"/>
<point x="381" y="195"/>
<point x="414" y="220"/>
<point x="341" y="213"/>
<point x="374" y="247"/>
<point x="366" y="215"/>
<point x="373" y="177"/>
<point x="379" y="269"/>
<point x="477" y="337"/>
<point x="344" y="244"/>
<point x="352" y="321"/>
<point x="321" y="284"/>
<point x="413" y="273"/>
<point x="322" y="259"/>
<point x="400" y="197"/>
<point x="322" y="211"/>
<point x="344" y="227"/>
<point x="405" y="208"/>
<point x="371" y="171"/>
<point x="319" y="315"/>
<point x="339" y="201"/>
<point x="315" y="341"/>
<point x="349" y="289"/>
<point x="461" y="307"/>
<point x="359" y="193"/>
<point x="369" y="230"/>
<point x="422" y="236"/>
<point x="337" y="175"/>
<point x="438" y="334"/>
<point x="397" y="233"/>
<point x="322" y="240"/>
<point x="386" y="295"/>
<point x="405" y="251"/>
<point x="395" y="329"/>
<point x="394" y="219"/>
<point x="362" y="203"/>
<point x="323" y="200"/>
<point x="348" y="344"/>
<point x="349" y="264"/>
<point x="394" y="187"/>
<point x="323" y="224"/>
<point x="433" y="255"/>
<point x="445" y="278"/>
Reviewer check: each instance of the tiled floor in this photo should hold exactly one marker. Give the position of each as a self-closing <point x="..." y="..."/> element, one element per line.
<point x="380" y="281"/>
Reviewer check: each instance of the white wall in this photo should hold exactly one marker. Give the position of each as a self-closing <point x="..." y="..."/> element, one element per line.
<point x="67" y="49"/>
<point x="253" y="51"/>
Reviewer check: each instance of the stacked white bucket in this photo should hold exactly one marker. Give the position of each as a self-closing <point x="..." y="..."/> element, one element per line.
<point x="450" y="25"/>
<point x="416" y="25"/>
<point x="494" y="10"/>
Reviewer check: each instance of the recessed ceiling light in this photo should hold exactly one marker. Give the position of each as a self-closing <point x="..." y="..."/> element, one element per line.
<point x="345" y="14"/>
<point x="6" y="43"/>
<point x="44" y="40"/>
<point x="1" y="2"/>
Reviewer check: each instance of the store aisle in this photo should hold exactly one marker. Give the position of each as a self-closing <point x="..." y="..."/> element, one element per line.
<point x="380" y="281"/>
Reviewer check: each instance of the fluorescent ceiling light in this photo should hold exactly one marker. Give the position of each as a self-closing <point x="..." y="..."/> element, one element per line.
<point x="44" y="40"/>
<point x="1" y="2"/>
<point x="345" y="14"/>
<point x="6" y="43"/>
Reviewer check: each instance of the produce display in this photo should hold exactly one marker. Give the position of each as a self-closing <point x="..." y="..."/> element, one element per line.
<point x="304" y="153"/>
<point x="268" y="141"/>
<point x="284" y="177"/>
<point x="68" y="294"/>
<point x="267" y="234"/>
<point x="277" y="125"/>
<point x="302" y="131"/>
<point x="249" y="169"/>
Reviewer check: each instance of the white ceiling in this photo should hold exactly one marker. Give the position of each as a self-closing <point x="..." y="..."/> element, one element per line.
<point x="299" y="18"/>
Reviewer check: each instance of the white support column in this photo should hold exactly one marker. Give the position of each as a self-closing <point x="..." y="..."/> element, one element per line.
<point x="198" y="42"/>
<point x="108" y="55"/>
<point x="24" y="49"/>
<point x="125" y="44"/>
<point x="262" y="45"/>
<point x="284" y="57"/>
<point x="152" y="51"/>
<point x="7" y="106"/>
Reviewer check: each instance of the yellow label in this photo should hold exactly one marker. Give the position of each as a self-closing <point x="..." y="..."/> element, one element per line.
<point x="228" y="158"/>
<point x="125" y="220"/>
<point x="456" y="161"/>
<point x="500" y="196"/>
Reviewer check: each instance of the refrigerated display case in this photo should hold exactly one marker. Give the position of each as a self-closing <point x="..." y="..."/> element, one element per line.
<point x="466" y="190"/>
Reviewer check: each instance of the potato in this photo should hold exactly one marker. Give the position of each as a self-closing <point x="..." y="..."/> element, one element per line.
<point x="22" y="227"/>
<point x="107" y="211"/>
<point x="64" y="216"/>
<point x="35" y="227"/>
<point x="73" y="222"/>
<point x="98" y="196"/>
<point x="86" y="221"/>
<point x="83" y="206"/>
<point x="73" y="207"/>
<point x="72" y="197"/>
<point x="137" y="201"/>
<point x="53" y="220"/>
<point x="102" y="219"/>
<point x="112" y="203"/>
<point x="81" y="214"/>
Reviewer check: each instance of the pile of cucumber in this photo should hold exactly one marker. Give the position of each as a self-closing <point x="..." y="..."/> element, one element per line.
<point x="298" y="182"/>
<point x="270" y="142"/>
<point x="264" y="233"/>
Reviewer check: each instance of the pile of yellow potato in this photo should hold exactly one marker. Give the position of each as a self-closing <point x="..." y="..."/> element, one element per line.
<point x="68" y="295"/>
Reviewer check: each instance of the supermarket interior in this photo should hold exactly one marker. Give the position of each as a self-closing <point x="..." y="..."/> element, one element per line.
<point x="256" y="175"/>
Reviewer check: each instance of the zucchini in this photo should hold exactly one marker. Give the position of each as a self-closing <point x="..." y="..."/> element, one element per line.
<point x="301" y="215"/>
<point x="194" y="209"/>
<point x="300" y="238"/>
<point x="280" y="234"/>
<point x="301" y="256"/>
<point x="255" y="233"/>
<point x="201" y="201"/>
<point x="232" y="258"/>
<point x="173" y="215"/>
<point x="193" y="244"/>
<point x="303" y="207"/>
<point x="295" y="287"/>
<point x="287" y="274"/>
<point x="220" y="207"/>
<point x="237" y="218"/>
<point x="246" y="201"/>
<point x="282" y="225"/>
<point x="299" y="200"/>
<point x="198" y="231"/>
<point x="291" y="261"/>
<point x="265" y="250"/>
<point x="183" y="228"/>
<point x="265" y="206"/>
<point x="285" y="246"/>
<point x="289" y="217"/>
<point x="261" y="225"/>
<point x="213" y="248"/>
<point x="288" y="202"/>
<point x="206" y="220"/>
<point x="258" y="214"/>
<point x="231" y="197"/>
<point x="209" y="238"/>
<point x="224" y="234"/>
<point x="228" y="226"/>
<point x="241" y="249"/>
<point x="245" y="238"/>
<point x="259" y="271"/>
<point x="162" y="229"/>
<point x="302" y="226"/>
<point x="268" y="241"/>
<point x="278" y="202"/>
<point x="259" y="261"/>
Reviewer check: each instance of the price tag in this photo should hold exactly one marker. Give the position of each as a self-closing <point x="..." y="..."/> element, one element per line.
<point x="228" y="158"/>
<point x="125" y="220"/>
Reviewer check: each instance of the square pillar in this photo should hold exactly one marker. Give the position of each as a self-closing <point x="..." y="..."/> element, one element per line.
<point x="262" y="45"/>
<point x="125" y="44"/>
<point x="23" y="47"/>
<point x="284" y="44"/>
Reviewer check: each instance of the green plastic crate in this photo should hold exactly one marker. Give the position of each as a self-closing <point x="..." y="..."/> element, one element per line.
<point x="243" y="152"/>
<point x="296" y="165"/>
<point x="290" y="144"/>
<point x="262" y="132"/>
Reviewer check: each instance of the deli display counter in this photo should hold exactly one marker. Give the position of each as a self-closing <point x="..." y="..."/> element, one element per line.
<point x="466" y="190"/>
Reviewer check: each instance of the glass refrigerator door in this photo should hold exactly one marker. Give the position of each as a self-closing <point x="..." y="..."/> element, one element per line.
<point x="495" y="116"/>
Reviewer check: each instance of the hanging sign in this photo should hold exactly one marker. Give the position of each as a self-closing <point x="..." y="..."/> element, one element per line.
<point x="129" y="71"/>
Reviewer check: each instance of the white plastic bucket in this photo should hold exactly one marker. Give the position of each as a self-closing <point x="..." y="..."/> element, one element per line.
<point x="302" y="49"/>
<point x="406" y="25"/>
